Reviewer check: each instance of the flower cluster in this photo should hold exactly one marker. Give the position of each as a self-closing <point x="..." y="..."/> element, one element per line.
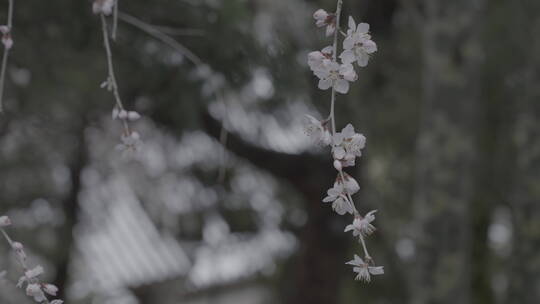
<point x="30" y="280"/>
<point x="357" y="46"/>
<point x="346" y="145"/>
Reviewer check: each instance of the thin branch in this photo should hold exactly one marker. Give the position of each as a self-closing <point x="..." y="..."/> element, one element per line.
<point x="179" y="31"/>
<point x="21" y="259"/>
<point x="3" y="77"/>
<point x="115" y="20"/>
<point x="333" y="99"/>
<point x="6" y="53"/>
<point x="155" y="32"/>
<point x="111" y="80"/>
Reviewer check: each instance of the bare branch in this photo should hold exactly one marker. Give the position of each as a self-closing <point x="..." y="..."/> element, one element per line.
<point x="156" y="33"/>
<point x="7" y="47"/>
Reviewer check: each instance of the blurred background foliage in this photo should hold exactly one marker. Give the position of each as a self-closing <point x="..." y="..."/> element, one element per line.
<point x="449" y="105"/>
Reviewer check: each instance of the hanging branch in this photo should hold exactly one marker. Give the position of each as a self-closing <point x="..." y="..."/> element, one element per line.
<point x="157" y="33"/>
<point x="7" y="41"/>
<point x="160" y="35"/>
<point x="34" y="288"/>
<point x="346" y="145"/>
<point x="115" y="21"/>
<point x="130" y="139"/>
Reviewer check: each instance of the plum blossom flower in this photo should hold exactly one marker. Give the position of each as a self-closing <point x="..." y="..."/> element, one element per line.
<point x="332" y="74"/>
<point x="340" y="203"/>
<point x="316" y="58"/>
<point x="358" y="45"/>
<point x="348" y="145"/>
<point x="50" y="289"/>
<point x="33" y="273"/>
<point x="363" y="270"/>
<point x="130" y="145"/>
<point x="104" y="7"/>
<point x="323" y="18"/>
<point x="34" y="290"/>
<point x="350" y="185"/>
<point x="317" y="130"/>
<point x="6" y="36"/>
<point x="361" y="226"/>
<point x="30" y="275"/>
<point x="4" y="221"/>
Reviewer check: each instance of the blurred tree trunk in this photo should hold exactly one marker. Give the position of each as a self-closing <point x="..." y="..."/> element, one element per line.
<point x="446" y="151"/>
<point x="524" y="278"/>
<point x="316" y="269"/>
<point x="524" y="262"/>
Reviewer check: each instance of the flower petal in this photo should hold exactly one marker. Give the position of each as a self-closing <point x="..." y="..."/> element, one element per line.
<point x="325" y="84"/>
<point x="342" y="86"/>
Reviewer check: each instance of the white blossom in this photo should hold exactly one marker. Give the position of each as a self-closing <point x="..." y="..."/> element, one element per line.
<point x="317" y="130"/>
<point x="363" y="270"/>
<point x="50" y="289"/>
<point x="358" y="45"/>
<point x="361" y="226"/>
<point x="332" y="74"/>
<point x="340" y="202"/>
<point x="34" y="290"/>
<point x="33" y="273"/>
<point x="316" y="58"/>
<point x="323" y="18"/>
<point x="103" y="7"/>
<point x="130" y="144"/>
<point x="4" y="221"/>
<point x="350" y="185"/>
<point x="348" y="145"/>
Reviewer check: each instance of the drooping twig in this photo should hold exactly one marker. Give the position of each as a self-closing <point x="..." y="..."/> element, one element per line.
<point x="155" y="32"/>
<point x="346" y="145"/>
<point x="111" y="80"/>
<point x="115" y="20"/>
<point x="34" y="288"/>
<point x="8" y="43"/>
